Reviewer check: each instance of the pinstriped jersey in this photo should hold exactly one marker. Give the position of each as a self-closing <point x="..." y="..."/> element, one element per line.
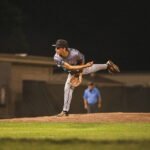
<point x="74" y="58"/>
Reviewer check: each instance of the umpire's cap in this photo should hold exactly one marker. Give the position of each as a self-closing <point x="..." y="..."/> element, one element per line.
<point x="61" y="43"/>
<point x="90" y="83"/>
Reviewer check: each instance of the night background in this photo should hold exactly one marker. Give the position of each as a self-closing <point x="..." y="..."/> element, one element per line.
<point x="100" y="30"/>
<point x="36" y="95"/>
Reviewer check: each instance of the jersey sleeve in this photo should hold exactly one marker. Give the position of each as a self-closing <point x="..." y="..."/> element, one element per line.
<point x="98" y="93"/>
<point x="58" y="61"/>
<point x="80" y="57"/>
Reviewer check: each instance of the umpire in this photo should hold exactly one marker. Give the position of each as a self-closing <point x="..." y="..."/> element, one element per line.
<point x="92" y="98"/>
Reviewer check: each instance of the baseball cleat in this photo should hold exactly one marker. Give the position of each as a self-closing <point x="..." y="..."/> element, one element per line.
<point x="62" y="114"/>
<point x="112" y="67"/>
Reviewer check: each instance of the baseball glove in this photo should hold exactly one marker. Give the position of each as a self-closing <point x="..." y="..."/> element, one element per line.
<point x="76" y="79"/>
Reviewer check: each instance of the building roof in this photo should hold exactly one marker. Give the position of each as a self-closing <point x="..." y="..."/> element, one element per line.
<point x="105" y="79"/>
<point x="60" y="78"/>
<point x="26" y="59"/>
<point x="131" y="79"/>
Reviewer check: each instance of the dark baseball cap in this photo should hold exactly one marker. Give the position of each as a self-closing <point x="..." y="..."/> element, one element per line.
<point x="61" y="43"/>
<point x="90" y="83"/>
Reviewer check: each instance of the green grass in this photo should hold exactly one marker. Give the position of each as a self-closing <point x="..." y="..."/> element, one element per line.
<point x="74" y="135"/>
<point x="81" y="131"/>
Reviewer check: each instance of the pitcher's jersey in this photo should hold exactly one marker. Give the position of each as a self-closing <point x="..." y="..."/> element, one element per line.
<point x="74" y="58"/>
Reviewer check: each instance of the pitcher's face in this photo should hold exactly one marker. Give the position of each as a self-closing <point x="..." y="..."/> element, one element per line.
<point x="59" y="50"/>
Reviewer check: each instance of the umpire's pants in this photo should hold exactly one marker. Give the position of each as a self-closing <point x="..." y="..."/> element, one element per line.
<point x="92" y="108"/>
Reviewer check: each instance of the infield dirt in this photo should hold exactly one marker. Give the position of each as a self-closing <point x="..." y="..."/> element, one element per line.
<point x="96" y="117"/>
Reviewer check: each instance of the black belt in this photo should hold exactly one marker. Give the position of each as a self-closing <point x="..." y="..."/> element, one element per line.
<point x="75" y="72"/>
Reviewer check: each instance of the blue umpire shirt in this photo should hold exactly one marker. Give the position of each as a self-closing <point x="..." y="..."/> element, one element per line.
<point x="92" y="96"/>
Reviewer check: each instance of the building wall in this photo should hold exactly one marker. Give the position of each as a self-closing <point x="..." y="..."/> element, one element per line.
<point x="5" y="78"/>
<point x="46" y="99"/>
<point x="13" y="75"/>
<point x="130" y="79"/>
<point x="21" y="72"/>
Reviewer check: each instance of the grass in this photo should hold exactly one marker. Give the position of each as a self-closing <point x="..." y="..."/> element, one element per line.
<point x="80" y="131"/>
<point x="74" y="135"/>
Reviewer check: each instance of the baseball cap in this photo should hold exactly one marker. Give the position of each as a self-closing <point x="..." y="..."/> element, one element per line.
<point x="90" y="83"/>
<point x="61" y="43"/>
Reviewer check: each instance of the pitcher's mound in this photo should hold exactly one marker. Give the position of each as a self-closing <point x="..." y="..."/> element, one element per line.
<point x="97" y="117"/>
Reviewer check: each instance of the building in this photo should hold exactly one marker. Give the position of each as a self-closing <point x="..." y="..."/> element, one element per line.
<point x="14" y="69"/>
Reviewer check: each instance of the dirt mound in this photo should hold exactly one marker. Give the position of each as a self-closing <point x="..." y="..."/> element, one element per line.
<point x="97" y="117"/>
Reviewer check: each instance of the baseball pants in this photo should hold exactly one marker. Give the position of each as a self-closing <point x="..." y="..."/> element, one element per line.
<point x="68" y="89"/>
<point x="92" y="108"/>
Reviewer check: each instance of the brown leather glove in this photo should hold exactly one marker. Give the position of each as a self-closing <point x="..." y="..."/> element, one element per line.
<point x="76" y="79"/>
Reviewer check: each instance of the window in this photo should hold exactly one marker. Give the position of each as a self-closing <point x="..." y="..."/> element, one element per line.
<point x="2" y="96"/>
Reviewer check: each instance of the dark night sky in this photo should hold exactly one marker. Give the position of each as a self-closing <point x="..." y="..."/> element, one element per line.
<point x="105" y="30"/>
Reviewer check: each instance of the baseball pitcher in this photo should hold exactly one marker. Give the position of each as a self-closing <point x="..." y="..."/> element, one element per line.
<point x="71" y="60"/>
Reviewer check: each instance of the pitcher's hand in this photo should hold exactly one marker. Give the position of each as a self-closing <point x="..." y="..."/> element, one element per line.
<point x="89" y="64"/>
